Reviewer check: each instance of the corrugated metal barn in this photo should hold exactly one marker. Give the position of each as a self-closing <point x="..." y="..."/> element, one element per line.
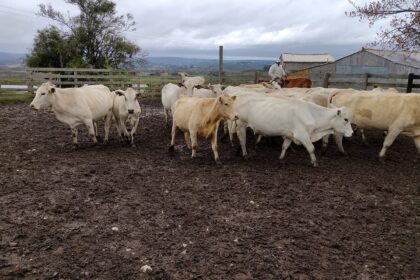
<point x="373" y="62"/>
<point x="296" y="62"/>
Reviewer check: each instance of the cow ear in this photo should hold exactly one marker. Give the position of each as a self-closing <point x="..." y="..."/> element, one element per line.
<point x="52" y="90"/>
<point x="339" y="112"/>
<point x="220" y="99"/>
<point x="223" y="87"/>
<point x="119" y="92"/>
<point x="234" y="97"/>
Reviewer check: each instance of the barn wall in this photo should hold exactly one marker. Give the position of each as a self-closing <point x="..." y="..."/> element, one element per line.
<point x="364" y="62"/>
<point x="296" y="66"/>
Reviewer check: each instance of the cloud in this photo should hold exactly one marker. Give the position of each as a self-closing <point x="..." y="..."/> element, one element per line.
<point x="262" y="27"/>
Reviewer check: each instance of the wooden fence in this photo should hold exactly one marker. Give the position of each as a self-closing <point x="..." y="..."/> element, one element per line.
<point x="151" y="81"/>
<point x="404" y="83"/>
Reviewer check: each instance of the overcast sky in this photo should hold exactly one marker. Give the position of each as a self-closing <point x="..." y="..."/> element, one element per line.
<point x="191" y="28"/>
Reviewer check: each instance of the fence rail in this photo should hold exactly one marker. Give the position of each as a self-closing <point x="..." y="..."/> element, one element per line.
<point x="153" y="80"/>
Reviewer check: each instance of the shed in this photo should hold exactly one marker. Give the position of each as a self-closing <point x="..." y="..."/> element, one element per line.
<point x="373" y="61"/>
<point x="296" y="62"/>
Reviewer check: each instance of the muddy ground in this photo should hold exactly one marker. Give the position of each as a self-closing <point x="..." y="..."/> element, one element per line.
<point x="104" y="212"/>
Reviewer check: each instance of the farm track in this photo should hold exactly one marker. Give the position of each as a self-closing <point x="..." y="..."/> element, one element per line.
<point x="104" y="212"/>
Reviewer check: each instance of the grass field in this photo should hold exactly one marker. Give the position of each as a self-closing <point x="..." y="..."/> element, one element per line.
<point x="15" y="97"/>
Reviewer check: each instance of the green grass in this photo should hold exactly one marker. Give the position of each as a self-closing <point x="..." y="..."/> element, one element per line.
<point x="15" y="97"/>
<point x="13" y="81"/>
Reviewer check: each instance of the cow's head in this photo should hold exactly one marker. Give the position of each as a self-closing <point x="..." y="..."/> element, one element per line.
<point x="43" y="97"/>
<point x="226" y="109"/>
<point x="130" y="97"/>
<point x="183" y="76"/>
<point x="217" y="89"/>
<point x="341" y="123"/>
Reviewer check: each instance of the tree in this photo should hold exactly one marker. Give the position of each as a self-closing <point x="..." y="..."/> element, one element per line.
<point x="94" y="38"/>
<point x="403" y="32"/>
<point x="48" y="49"/>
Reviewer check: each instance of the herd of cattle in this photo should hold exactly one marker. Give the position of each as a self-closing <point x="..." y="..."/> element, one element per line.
<point x="299" y="115"/>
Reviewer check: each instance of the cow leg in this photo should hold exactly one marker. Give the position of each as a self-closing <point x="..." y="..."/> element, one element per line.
<point x="117" y="125"/>
<point x="285" y="146"/>
<point x="362" y="133"/>
<point x="241" y="132"/>
<point x="90" y="126"/>
<point x="258" y="139"/>
<point x="95" y="125"/>
<point x="306" y="142"/>
<point x="417" y="143"/>
<point x="124" y="131"/>
<point x="214" y="145"/>
<point x="107" y="126"/>
<point x="194" y="143"/>
<point x="74" y="136"/>
<point x="389" y="139"/>
<point x="187" y="139"/>
<point x="225" y="131"/>
<point x="325" y="141"/>
<point x="231" y="128"/>
<point x="339" y="141"/>
<point x="173" y="134"/>
<point x="134" y="129"/>
<point x="165" y="112"/>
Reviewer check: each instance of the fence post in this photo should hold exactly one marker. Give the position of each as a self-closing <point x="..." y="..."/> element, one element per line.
<point x="410" y="82"/>
<point x="75" y="79"/>
<point x="365" y="81"/>
<point x="220" y="64"/>
<point x="326" y="80"/>
<point x="256" y="80"/>
<point x="29" y="81"/>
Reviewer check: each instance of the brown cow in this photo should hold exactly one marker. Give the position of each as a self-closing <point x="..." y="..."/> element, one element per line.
<point x="201" y="116"/>
<point x="295" y="81"/>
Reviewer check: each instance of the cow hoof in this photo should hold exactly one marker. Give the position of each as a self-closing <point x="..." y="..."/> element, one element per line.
<point x="381" y="159"/>
<point x="218" y="162"/>
<point x="245" y="157"/>
<point x="315" y="164"/>
<point x="133" y="145"/>
<point x="171" y="148"/>
<point x="75" y="147"/>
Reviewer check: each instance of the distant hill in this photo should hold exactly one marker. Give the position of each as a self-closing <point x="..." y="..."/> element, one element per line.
<point x="9" y="59"/>
<point x="171" y="63"/>
<point x="207" y="64"/>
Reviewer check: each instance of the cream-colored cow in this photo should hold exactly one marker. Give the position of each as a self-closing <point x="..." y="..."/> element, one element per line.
<point x="201" y="116"/>
<point x="395" y="113"/>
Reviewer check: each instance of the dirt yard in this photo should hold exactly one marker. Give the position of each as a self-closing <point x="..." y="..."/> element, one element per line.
<point x="105" y="212"/>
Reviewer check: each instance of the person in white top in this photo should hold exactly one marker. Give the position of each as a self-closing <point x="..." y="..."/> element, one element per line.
<point x="276" y="72"/>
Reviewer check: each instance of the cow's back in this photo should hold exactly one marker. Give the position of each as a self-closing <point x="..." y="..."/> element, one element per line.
<point x="85" y="102"/>
<point x="379" y="110"/>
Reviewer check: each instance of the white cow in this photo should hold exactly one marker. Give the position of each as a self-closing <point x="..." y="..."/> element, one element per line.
<point x="75" y="106"/>
<point x="170" y="94"/>
<point x="392" y="112"/>
<point x="126" y="110"/>
<point x="211" y="92"/>
<point x="191" y="82"/>
<point x="298" y="121"/>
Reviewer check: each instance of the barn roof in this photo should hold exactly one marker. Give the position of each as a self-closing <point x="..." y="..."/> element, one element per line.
<point x="320" y="57"/>
<point x="406" y="58"/>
